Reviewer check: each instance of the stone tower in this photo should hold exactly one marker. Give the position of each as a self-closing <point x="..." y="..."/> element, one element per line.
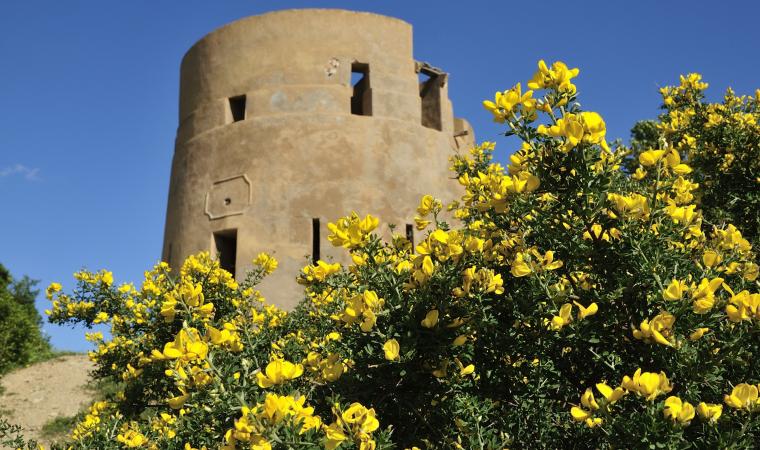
<point x="295" y="118"/>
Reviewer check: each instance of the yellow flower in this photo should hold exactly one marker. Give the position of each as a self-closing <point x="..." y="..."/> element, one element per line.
<point x="750" y="271"/>
<point x="684" y="215"/>
<point x="586" y="312"/>
<point x="709" y="411"/>
<point x="678" y="410"/>
<point x="743" y="396"/>
<point x="318" y="272"/>
<point x="703" y="296"/>
<point x="594" y="128"/>
<point x="548" y="262"/>
<point x="178" y="401"/>
<point x="391" y="349"/>
<point x="675" y="290"/>
<point x="267" y="262"/>
<point x="278" y="372"/>
<point x="574" y="129"/>
<point x="106" y="277"/>
<point x="588" y="400"/>
<point x="187" y="346"/>
<point x="522" y="182"/>
<point x="459" y="341"/>
<point x="693" y="81"/>
<point x="633" y="206"/>
<point x="52" y="289"/>
<point x="227" y="337"/>
<point x="421" y="223"/>
<point x="101" y="317"/>
<point x="464" y="370"/>
<point x="335" y="436"/>
<point x="743" y="306"/>
<point x="682" y="169"/>
<point x="427" y="266"/>
<point x="132" y="439"/>
<point x="558" y="77"/>
<point x="565" y="317"/>
<point x="431" y="319"/>
<point x="351" y="231"/>
<point x="504" y="103"/>
<point x="360" y="418"/>
<point x="362" y="307"/>
<point x="586" y="415"/>
<point x="277" y="408"/>
<point x="651" y="157"/>
<point x="698" y="333"/>
<point x="600" y="233"/>
<point x="609" y="394"/>
<point x="659" y="329"/>
<point x="428" y="204"/>
<point x="520" y="267"/>
<point x="579" y="414"/>
<point x="647" y="384"/>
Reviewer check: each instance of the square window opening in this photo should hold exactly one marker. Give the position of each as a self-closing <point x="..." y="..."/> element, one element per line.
<point x="361" y="98"/>
<point x="237" y="108"/>
<point x="225" y="243"/>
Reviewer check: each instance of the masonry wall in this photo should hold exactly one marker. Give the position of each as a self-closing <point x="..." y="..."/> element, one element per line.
<point x="299" y="153"/>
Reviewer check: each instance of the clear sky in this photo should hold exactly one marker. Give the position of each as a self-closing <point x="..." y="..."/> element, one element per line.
<point x="88" y="99"/>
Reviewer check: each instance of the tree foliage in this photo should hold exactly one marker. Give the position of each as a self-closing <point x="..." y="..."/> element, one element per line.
<point x="21" y="340"/>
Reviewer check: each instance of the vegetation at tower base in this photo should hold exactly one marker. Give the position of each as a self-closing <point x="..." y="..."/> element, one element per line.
<point x="573" y="305"/>
<point x="21" y="340"/>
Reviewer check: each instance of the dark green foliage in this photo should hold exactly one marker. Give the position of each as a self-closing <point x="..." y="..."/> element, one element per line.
<point x="21" y="340"/>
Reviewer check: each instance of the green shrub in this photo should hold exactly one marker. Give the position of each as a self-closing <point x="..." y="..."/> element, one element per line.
<point x="21" y="339"/>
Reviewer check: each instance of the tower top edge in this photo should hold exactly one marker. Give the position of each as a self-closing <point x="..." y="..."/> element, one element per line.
<point x="325" y="12"/>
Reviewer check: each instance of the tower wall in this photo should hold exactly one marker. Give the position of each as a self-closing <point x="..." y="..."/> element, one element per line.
<point x="298" y="153"/>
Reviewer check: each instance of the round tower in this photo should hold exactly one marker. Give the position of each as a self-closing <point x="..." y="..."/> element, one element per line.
<point x="295" y="118"/>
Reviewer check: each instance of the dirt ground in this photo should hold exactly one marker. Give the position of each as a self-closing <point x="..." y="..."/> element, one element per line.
<point x="38" y="394"/>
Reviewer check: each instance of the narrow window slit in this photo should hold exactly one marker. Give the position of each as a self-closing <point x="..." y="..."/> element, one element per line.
<point x="237" y="108"/>
<point x="430" y="95"/>
<point x="410" y="233"/>
<point x="315" y="240"/>
<point x="225" y="243"/>
<point x="361" y="99"/>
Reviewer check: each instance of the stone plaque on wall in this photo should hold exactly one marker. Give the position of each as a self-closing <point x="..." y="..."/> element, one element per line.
<point x="228" y="197"/>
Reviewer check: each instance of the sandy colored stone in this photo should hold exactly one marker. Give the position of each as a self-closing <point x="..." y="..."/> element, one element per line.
<point x="38" y="394"/>
<point x="299" y="153"/>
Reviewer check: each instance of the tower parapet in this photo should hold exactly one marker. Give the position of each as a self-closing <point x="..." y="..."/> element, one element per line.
<point x="294" y="118"/>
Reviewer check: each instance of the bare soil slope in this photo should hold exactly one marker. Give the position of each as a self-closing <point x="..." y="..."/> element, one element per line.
<point x="38" y="394"/>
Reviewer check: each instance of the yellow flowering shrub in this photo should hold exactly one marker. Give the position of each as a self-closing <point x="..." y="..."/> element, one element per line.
<point x="561" y="302"/>
<point x="720" y="142"/>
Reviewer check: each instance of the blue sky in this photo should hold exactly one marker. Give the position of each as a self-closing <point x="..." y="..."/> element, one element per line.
<point x="88" y="99"/>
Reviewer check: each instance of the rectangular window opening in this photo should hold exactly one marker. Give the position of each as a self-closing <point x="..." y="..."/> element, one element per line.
<point x="237" y="108"/>
<point x="315" y="240"/>
<point x="430" y="94"/>
<point x="226" y="249"/>
<point x="361" y="99"/>
<point x="410" y="233"/>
